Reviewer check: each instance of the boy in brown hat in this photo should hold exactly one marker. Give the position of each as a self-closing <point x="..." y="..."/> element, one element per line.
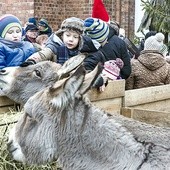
<point x="61" y="45"/>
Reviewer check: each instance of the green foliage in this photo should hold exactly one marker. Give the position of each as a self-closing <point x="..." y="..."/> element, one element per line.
<point x="136" y="40"/>
<point x="158" y="14"/>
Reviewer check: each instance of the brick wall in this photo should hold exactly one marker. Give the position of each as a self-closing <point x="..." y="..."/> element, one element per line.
<point x="55" y="11"/>
<point x="23" y="9"/>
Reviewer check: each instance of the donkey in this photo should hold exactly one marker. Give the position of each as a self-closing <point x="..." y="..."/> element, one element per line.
<point x="20" y="83"/>
<point x="60" y="123"/>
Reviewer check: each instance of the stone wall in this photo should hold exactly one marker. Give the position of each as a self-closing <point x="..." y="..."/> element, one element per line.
<point x="56" y="11"/>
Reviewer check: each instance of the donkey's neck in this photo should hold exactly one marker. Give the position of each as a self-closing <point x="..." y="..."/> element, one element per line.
<point x="89" y="133"/>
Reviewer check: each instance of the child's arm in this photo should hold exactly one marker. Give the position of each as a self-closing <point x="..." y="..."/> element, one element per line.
<point x="43" y="55"/>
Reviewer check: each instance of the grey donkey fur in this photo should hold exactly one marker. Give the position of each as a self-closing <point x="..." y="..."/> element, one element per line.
<point x="60" y="123"/>
<point x="20" y="83"/>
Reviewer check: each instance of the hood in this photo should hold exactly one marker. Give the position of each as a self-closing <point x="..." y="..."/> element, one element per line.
<point x="112" y="32"/>
<point x="151" y="59"/>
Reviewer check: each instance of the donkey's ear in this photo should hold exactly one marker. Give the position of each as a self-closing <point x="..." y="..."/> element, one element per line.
<point x="70" y="65"/>
<point x="63" y="91"/>
<point x="90" y="78"/>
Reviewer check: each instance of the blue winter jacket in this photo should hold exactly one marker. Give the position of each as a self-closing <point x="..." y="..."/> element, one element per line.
<point x="14" y="53"/>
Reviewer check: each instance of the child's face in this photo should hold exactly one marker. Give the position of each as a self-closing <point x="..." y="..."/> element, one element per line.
<point x="71" y="39"/>
<point x="32" y="33"/>
<point x="41" y="28"/>
<point x="14" y="34"/>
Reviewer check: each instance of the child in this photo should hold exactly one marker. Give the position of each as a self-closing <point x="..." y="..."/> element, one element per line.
<point x="44" y="27"/>
<point x="112" y="46"/>
<point x="13" y="51"/>
<point x="31" y="33"/>
<point x="62" y="45"/>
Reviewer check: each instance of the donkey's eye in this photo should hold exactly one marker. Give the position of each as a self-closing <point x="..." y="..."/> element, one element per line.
<point x="37" y="73"/>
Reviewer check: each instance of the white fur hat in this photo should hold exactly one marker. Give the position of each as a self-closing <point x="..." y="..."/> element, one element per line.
<point x="154" y="42"/>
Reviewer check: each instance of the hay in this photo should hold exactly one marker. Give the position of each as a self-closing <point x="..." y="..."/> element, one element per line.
<point x="7" y="121"/>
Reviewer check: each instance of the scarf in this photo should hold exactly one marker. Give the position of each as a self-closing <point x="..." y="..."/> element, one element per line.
<point x="63" y="54"/>
<point x="11" y="44"/>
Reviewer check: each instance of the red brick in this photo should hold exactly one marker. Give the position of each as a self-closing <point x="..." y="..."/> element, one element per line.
<point x="56" y="11"/>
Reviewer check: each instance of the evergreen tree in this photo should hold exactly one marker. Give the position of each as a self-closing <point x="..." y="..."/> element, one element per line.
<point x="156" y="16"/>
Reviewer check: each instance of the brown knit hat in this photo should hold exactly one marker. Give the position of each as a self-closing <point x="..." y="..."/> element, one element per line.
<point x="73" y="23"/>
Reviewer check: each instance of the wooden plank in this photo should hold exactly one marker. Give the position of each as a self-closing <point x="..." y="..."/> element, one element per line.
<point x="163" y="105"/>
<point x="146" y="95"/>
<point x="114" y="89"/>
<point x="127" y="112"/>
<point x="5" y="101"/>
<point x="6" y="109"/>
<point x="11" y="108"/>
<point x="158" y="118"/>
<point x="110" y="105"/>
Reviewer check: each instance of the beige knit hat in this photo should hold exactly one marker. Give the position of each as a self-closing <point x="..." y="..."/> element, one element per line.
<point x="154" y="42"/>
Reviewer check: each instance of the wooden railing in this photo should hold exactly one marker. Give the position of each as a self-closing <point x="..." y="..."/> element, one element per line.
<point x="150" y="105"/>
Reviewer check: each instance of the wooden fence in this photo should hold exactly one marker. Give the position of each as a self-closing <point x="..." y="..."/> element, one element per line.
<point x="150" y="105"/>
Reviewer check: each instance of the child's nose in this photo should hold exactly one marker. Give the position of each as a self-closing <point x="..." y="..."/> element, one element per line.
<point x="71" y="38"/>
<point x="15" y="34"/>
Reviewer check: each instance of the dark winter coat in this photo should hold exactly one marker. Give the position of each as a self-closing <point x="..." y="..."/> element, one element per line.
<point x="150" y="69"/>
<point x="114" y="48"/>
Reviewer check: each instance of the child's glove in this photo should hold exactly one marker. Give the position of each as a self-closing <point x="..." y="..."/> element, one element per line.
<point x="27" y="63"/>
<point x="100" y="83"/>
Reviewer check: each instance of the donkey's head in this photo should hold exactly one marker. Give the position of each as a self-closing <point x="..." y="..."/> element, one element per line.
<point x="38" y="136"/>
<point x="20" y="83"/>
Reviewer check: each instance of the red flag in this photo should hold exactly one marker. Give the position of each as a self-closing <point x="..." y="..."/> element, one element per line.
<point x="99" y="11"/>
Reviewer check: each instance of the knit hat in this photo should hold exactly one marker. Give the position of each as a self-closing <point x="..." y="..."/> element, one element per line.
<point x="43" y="22"/>
<point x="31" y="27"/>
<point x="164" y="50"/>
<point x="115" y="26"/>
<point x="6" y="22"/>
<point x="154" y="42"/>
<point x="112" y="68"/>
<point x="73" y="23"/>
<point x="32" y="21"/>
<point x="96" y="29"/>
<point x="99" y="11"/>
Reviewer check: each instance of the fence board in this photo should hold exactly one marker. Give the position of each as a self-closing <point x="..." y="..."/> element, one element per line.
<point x="114" y="89"/>
<point x="146" y="95"/>
<point x="158" y="118"/>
